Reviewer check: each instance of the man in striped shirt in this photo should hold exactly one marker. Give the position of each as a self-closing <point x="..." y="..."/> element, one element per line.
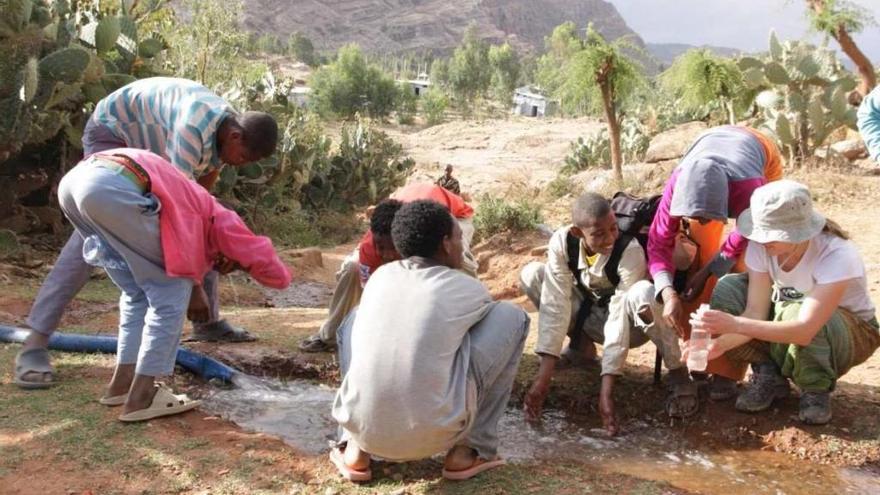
<point x="197" y="132"/>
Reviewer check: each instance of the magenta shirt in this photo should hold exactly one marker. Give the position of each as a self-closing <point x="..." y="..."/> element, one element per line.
<point x="742" y="158"/>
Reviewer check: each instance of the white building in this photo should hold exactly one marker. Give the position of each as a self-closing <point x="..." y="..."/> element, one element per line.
<point x="419" y="85"/>
<point x="531" y="102"/>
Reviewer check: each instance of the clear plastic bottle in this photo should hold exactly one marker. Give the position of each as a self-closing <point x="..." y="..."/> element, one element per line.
<point x="698" y="346"/>
<point x="96" y="252"/>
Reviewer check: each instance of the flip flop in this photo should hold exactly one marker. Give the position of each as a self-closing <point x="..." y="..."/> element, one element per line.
<point x="477" y="468"/>
<point x="338" y="460"/>
<point x="116" y="400"/>
<point x="33" y="361"/>
<point x="686" y="390"/>
<point x="165" y="403"/>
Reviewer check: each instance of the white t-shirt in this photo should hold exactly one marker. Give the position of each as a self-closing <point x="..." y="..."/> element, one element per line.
<point x="828" y="259"/>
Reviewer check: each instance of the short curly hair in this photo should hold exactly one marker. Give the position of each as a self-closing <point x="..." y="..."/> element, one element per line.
<point x="383" y="215"/>
<point x="419" y="228"/>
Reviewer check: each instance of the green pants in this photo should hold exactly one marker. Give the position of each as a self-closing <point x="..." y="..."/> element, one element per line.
<point x="843" y="342"/>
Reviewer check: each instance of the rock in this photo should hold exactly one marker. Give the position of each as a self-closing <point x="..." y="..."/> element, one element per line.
<point x="672" y="144"/>
<point x="50" y="218"/>
<point x="331" y="491"/>
<point x="852" y="149"/>
<point x="308" y="256"/>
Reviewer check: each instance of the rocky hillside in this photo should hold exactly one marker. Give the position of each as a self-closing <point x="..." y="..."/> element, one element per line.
<point x="394" y="26"/>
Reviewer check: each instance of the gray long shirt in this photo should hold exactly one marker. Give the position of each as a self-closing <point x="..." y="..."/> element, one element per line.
<point x="406" y="394"/>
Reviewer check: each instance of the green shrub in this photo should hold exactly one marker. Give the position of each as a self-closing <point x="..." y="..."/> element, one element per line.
<point x="434" y="104"/>
<point x="352" y="85"/>
<point x="496" y="215"/>
<point x="407" y="104"/>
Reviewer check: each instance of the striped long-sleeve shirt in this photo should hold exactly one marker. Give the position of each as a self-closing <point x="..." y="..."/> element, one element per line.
<point x="175" y="118"/>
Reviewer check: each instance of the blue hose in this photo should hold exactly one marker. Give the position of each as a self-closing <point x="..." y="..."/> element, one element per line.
<point x="196" y="363"/>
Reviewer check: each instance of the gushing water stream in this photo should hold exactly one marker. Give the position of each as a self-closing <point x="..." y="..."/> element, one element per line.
<point x="299" y="413"/>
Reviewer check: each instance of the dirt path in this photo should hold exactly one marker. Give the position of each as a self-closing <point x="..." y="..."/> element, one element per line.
<point x="486" y="154"/>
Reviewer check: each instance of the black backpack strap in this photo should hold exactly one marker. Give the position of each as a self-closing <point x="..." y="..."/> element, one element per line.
<point x="614" y="260"/>
<point x="573" y="250"/>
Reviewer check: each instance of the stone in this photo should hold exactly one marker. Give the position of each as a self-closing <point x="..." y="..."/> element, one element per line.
<point x="852" y="149"/>
<point x="308" y="256"/>
<point x="671" y="144"/>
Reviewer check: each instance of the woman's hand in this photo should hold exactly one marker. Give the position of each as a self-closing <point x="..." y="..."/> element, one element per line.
<point x="715" y="322"/>
<point x="673" y="311"/>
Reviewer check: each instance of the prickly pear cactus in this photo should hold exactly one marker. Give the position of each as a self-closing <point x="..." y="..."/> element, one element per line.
<point x="802" y="94"/>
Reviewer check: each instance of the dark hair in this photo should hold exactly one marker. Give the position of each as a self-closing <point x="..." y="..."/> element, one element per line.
<point x="383" y="215"/>
<point x="259" y="132"/>
<point x="419" y="228"/>
<point x="588" y="207"/>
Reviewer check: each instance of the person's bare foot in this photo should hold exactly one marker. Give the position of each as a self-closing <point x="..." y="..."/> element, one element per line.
<point x="35" y="340"/>
<point x="141" y="394"/>
<point x="120" y="384"/>
<point x="355" y="458"/>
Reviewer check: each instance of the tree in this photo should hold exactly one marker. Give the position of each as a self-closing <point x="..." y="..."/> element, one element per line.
<point x="209" y="47"/>
<point x="302" y="48"/>
<point x="700" y="78"/>
<point x="593" y="70"/>
<point x="838" y="19"/>
<point x="551" y="71"/>
<point x="440" y="72"/>
<point x="469" y="72"/>
<point x="350" y="85"/>
<point x="505" y="66"/>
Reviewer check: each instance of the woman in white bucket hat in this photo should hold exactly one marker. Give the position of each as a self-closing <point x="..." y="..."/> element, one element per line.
<point x="801" y="312"/>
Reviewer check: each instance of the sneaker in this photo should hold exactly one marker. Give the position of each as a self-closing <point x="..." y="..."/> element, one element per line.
<point x="315" y="344"/>
<point x="767" y="385"/>
<point x="721" y="388"/>
<point x="815" y="408"/>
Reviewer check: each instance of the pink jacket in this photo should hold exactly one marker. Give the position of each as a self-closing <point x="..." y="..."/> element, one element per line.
<point x="195" y="228"/>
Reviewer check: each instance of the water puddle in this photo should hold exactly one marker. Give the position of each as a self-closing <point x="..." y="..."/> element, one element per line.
<point x="299" y="413"/>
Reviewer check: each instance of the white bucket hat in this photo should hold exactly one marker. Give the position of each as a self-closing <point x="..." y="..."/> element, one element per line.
<point x="780" y="211"/>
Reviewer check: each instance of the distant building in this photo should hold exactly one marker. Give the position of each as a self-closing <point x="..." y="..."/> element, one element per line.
<point x="531" y="102"/>
<point x="300" y="96"/>
<point x="419" y="85"/>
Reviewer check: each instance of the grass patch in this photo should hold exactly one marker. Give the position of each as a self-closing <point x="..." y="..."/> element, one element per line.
<point x="496" y="215"/>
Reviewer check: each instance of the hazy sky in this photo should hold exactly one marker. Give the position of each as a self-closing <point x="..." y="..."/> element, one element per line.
<point x="742" y="24"/>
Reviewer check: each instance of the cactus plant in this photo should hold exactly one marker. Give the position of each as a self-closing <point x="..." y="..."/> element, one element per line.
<point x="65" y="65"/>
<point x="802" y="94"/>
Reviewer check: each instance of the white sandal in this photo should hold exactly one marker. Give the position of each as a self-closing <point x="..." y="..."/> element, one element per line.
<point x="165" y="403"/>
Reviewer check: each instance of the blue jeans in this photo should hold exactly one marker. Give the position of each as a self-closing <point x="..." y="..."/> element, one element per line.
<point x="152" y="307"/>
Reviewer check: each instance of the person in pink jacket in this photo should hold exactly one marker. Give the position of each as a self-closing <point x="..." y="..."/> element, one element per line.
<point x="157" y="234"/>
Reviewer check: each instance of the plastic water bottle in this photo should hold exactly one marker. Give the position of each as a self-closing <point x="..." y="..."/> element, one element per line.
<point x="698" y="346"/>
<point x="96" y="252"/>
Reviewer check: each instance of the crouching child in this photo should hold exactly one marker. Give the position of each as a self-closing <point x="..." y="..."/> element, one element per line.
<point x="428" y="359"/>
<point x="594" y="288"/>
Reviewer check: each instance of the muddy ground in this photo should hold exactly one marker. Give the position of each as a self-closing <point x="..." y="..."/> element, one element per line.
<point x="61" y="441"/>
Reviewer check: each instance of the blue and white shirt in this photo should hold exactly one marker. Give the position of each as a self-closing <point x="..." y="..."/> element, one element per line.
<point x="175" y="118"/>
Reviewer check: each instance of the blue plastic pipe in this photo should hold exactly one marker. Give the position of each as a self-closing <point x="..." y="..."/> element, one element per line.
<point x="196" y="363"/>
